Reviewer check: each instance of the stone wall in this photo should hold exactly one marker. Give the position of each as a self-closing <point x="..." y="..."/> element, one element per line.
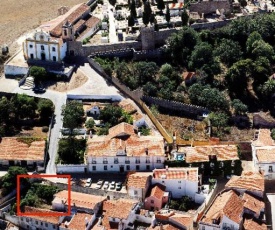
<point x="207" y="7"/>
<point x="210" y="25"/>
<point x="162" y="35"/>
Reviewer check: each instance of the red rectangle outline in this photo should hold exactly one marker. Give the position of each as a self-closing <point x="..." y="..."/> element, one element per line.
<point x="19" y="213"/>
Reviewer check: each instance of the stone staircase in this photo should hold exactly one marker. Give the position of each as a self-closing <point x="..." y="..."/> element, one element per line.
<point x="28" y="84"/>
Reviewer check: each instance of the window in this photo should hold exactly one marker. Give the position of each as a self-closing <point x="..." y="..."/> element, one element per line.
<point x="41" y="223"/>
<point x="53" y="49"/>
<point x="54" y="58"/>
<point x="36" y="222"/>
<point x="203" y="228"/>
<point x="137" y="160"/>
<point x="46" y="224"/>
<point x="31" y="56"/>
<point x="65" y="32"/>
<point x="127" y="167"/>
<point x="152" y="201"/>
<point x="31" y="46"/>
<point x="270" y="169"/>
<point x="135" y="192"/>
<point x="105" y="161"/>
<point x="116" y="160"/>
<point x="163" y="181"/>
<point x="41" y="37"/>
<point x="93" y="161"/>
<point x="147" y="167"/>
<point x="42" y="48"/>
<point x="137" y="167"/>
<point x="179" y="187"/>
<point x="21" y="218"/>
<point x="94" y="168"/>
<point x="27" y="219"/>
<point x="179" y="181"/>
<point x="105" y="167"/>
<point x="147" y="160"/>
<point x="53" y="226"/>
<point x="158" y="160"/>
<point x="127" y="160"/>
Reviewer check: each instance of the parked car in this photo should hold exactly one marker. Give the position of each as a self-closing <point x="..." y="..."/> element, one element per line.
<point x="39" y="89"/>
<point x="88" y="182"/>
<point x="99" y="184"/>
<point x="106" y="185"/>
<point x="118" y="186"/>
<point x="113" y="185"/>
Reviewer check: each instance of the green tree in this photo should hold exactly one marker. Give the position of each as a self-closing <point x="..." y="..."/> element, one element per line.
<point x="45" y="192"/>
<point x="168" y="71"/>
<point x="71" y="150"/>
<point x="167" y="14"/>
<point x="9" y="180"/>
<point x="145" y="71"/>
<point x="150" y="89"/>
<point x="268" y="89"/>
<point x="184" y="18"/>
<point x="160" y="5"/>
<point x="147" y="11"/>
<point x="239" y="107"/>
<point x="228" y="51"/>
<point x="111" y="114"/>
<point x="133" y="11"/>
<point x="39" y="74"/>
<point x="6" y="108"/>
<point x="45" y="108"/>
<point x="73" y="113"/>
<point x="253" y="37"/>
<point x="90" y="123"/>
<point x="25" y="106"/>
<point x="261" y="48"/>
<point x="218" y="120"/>
<point x="273" y="134"/>
<point x="243" y="3"/>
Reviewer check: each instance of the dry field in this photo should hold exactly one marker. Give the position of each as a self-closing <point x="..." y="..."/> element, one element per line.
<point x="19" y="17"/>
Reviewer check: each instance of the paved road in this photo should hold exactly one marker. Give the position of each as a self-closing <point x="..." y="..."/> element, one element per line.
<point x="59" y="99"/>
<point x="112" y="27"/>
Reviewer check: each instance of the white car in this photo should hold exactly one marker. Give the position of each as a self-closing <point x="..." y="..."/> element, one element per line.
<point x="113" y="185"/>
<point x="99" y="184"/>
<point x="88" y="182"/>
<point x="106" y="185"/>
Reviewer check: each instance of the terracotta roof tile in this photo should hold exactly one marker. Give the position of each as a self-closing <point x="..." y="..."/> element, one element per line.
<point x="251" y="181"/>
<point x="77" y="222"/>
<point x="263" y="139"/>
<point x="250" y="224"/>
<point x="266" y="155"/>
<point x="202" y="153"/>
<point x="81" y="200"/>
<point x="116" y="209"/>
<point x="11" y="148"/>
<point x="163" y="227"/>
<point x="226" y="204"/>
<point x="49" y="219"/>
<point x="252" y="203"/>
<point x="190" y="174"/>
<point x="71" y="16"/>
<point x="184" y="219"/>
<point x="188" y="75"/>
<point x="123" y="137"/>
<point x="138" y="180"/>
<point x="158" y="191"/>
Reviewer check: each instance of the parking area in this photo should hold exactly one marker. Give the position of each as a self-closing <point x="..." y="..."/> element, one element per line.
<point x="106" y="182"/>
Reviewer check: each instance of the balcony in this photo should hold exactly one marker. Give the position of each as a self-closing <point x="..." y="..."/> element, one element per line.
<point x="93" y="162"/>
<point x="137" y="161"/>
<point x="105" y="162"/>
<point x="115" y="161"/>
<point x="127" y="162"/>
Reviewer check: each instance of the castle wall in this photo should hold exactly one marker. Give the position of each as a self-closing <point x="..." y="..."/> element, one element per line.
<point x="207" y="7"/>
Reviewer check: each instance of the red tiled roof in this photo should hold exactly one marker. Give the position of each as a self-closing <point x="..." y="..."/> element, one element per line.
<point x="81" y="200"/>
<point x="158" y="191"/>
<point x="250" y="224"/>
<point x="190" y="174"/>
<point x="116" y="209"/>
<point x="123" y="137"/>
<point x="49" y="219"/>
<point x="266" y="155"/>
<point x="183" y="219"/>
<point x="77" y="222"/>
<point x="252" y="203"/>
<point x="227" y="204"/>
<point x="71" y="16"/>
<point x="264" y="138"/>
<point x="80" y="23"/>
<point x="251" y="181"/>
<point x="11" y="148"/>
<point x="202" y="153"/>
<point x="138" y="180"/>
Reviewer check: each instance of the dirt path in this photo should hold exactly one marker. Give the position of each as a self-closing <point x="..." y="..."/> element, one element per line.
<point x="18" y="17"/>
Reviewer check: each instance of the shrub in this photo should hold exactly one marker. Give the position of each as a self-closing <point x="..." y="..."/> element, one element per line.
<point x="45" y="129"/>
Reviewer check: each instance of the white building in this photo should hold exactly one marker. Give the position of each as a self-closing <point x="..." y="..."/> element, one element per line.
<point x="44" y="47"/>
<point x="138" y="184"/>
<point x="263" y="153"/>
<point x="178" y="181"/>
<point x="124" y="150"/>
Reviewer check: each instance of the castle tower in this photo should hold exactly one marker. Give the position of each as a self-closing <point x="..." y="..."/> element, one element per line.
<point x="147" y="38"/>
<point x="67" y="32"/>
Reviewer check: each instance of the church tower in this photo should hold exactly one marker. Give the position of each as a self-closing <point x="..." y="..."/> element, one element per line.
<point x="67" y="32"/>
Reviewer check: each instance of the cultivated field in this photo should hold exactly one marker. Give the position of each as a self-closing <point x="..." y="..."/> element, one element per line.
<point x="18" y="17"/>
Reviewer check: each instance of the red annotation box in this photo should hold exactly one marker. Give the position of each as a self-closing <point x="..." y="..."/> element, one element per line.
<point x="19" y="213"/>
